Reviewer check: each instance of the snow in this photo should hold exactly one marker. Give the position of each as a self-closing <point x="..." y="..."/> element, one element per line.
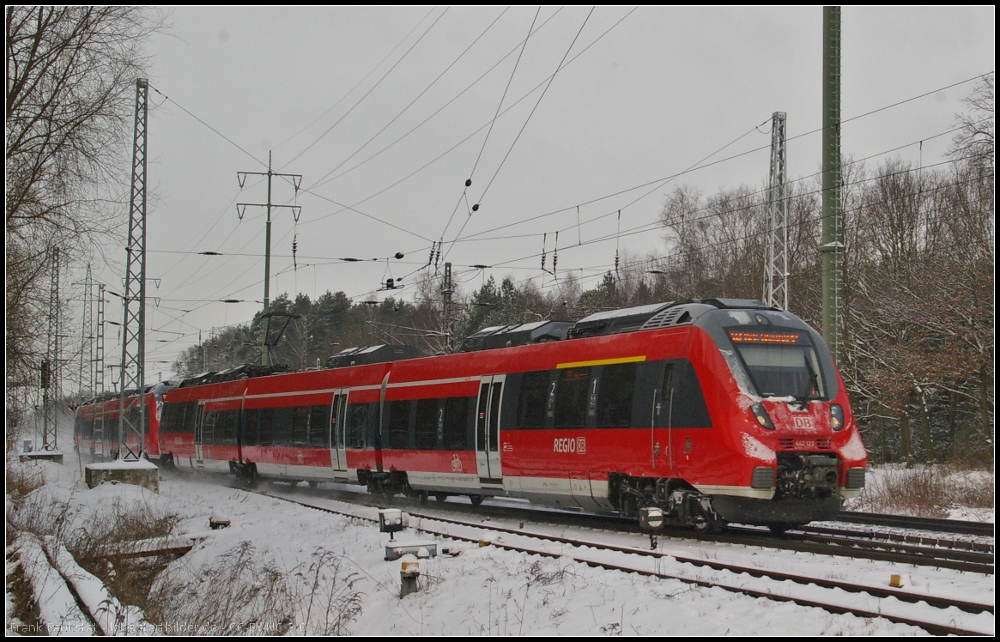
<point x="120" y="464"/>
<point x="854" y="449"/>
<point x="478" y="588"/>
<point x="757" y="450"/>
<point x="741" y="317"/>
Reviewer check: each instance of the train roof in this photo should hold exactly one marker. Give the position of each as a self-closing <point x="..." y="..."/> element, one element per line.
<point x="625" y="320"/>
<point x="245" y="371"/>
<point x="373" y="354"/>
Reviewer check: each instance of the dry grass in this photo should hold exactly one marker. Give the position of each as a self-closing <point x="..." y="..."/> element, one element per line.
<point x="927" y="491"/>
<point x="233" y="595"/>
<point x="241" y="593"/>
<point x="22" y="479"/>
<point x="119" y="531"/>
<point x="24" y="613"/>
<point x="331" y="594"/>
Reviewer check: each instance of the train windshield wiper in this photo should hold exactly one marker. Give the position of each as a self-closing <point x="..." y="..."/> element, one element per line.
<point x="813" y="383"/>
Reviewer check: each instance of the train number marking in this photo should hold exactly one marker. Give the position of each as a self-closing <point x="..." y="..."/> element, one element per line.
<point x="570" y="445"/>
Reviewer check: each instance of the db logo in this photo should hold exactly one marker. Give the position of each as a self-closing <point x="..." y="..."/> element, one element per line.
<point x="803" y="422"/>
<point x="570" y="445"/>
<point x="456" y="464"/>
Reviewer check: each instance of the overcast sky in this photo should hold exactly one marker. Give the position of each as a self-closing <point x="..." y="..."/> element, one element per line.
<point x="358" y="100"/>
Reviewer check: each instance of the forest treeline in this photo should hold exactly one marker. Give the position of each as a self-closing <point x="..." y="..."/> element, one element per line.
<point x="917" y="293"/>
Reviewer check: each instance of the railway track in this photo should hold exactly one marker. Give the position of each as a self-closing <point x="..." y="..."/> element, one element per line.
<point x="931" y="552"/>
<point x="892" y="604"/>
<point x="918" y="523"/>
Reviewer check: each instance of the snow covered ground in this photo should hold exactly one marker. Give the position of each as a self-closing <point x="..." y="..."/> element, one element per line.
<point x="324" y="559"/>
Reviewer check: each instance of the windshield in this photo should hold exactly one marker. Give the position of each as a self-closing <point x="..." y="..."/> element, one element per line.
<point x="781" y="363"/>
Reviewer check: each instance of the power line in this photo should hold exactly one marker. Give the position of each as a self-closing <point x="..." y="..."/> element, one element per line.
<point x="470" y="136"/>
<point x="426" y="89"/>
<point x="351" y="90"/>
<point x="367" y="93"/>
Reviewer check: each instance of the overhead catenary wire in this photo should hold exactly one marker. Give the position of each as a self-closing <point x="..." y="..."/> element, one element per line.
<point x="505" y="90"/>
<point x="471" y="135"/>
<point x="358" y="84"/>
<point x="433" y="114"/>
<point x="367" y="93"/>
<point x="551" y="78"/>
<point x="537" y="103"/>
<point x="411" y="103"/>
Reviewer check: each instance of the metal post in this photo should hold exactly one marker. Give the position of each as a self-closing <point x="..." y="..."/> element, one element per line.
<point x="99" y="347"/>
<point x="51" y="365"/>
<point x="265" y="359"/>
<point x="832" y="244"/>
<point x="133" y="376"/>
<point x="776" y="274"/>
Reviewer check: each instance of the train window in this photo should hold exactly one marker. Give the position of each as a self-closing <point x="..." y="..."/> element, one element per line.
<point x="190" y="416"/>
<point x="167" y="418"/>
<point x="426" y="424"/>
<point x="357" y="422"/>
<point x="300" y="426"/>
<point x="399" y="424"/>
<point x="318" y="426"/>
<point x="689" y="409"/>
<point x="283" y="426"/>
<point x="251" y="418"/>
<point x="266" y="427"/>
<point x="680" y="401"/>
<point x="208" y="427"/>
<point x="231" y="426"/>
<point x="614" y="398"/>
<point x="456" y="423"/>
<point x="571" y="397"/>
<point x="531" y="405"/>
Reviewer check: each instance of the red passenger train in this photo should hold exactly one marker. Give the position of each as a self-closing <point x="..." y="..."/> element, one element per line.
<point x="714" y="411"/>
<point x="96" y="426"/>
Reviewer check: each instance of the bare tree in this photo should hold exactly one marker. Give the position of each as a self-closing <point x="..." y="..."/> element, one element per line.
<point x="70" y="87"/>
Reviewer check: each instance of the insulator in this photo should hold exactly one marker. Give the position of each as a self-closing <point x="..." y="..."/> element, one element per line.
<point x="399" y="255"/>
<point x="468" y="182"/>
<point x="475" y="208"/>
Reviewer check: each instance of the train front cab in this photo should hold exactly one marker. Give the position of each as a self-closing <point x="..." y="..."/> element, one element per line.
<point x="790" y="420"/>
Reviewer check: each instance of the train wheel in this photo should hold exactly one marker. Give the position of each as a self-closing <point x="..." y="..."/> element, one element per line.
<point x="476" y="499"/>
<point x="781" y="528"/>
<point x="313" y="485"/>
<point x="440" y="497"/>
<point x="702" y="526"/>
<point x="422" y="497"/>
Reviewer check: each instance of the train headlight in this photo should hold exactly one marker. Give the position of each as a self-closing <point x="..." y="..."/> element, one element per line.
<point x="761" y="415"/>
<point x="836" y="416"/>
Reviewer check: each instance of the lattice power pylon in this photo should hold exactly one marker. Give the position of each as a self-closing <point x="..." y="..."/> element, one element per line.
<point x="776" y="267"/>
<point x="99" y="344"/>
<point x="51" y="366"/>
<point x="86" y="375"/>
<point x="131" y="424"/>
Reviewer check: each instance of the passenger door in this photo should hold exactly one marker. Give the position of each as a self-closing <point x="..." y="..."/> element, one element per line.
<point x="661" y="441"/>
<point x="488" y="409"/>
<point x="338" y="435"/>
<point x="199" y="433"/>
<point x="97" y="440"/>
